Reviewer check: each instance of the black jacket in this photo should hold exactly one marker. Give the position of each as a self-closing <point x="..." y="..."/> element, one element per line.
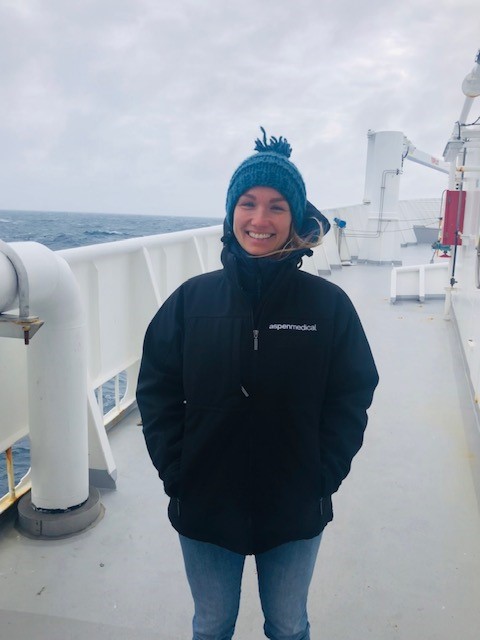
<point x="252" y="418"/>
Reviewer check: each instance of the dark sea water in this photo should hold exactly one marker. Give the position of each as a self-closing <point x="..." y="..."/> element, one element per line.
<point x="67" y="230"/>
<point x="58" y="230"/>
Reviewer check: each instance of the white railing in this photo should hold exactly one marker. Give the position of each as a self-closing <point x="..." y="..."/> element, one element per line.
<point x="420" y="281"/>
<point x="121" y="286"/>
<point x="465" y="295"/>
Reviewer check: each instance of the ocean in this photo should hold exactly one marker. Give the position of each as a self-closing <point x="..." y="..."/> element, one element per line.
<point x="65" y="230"/>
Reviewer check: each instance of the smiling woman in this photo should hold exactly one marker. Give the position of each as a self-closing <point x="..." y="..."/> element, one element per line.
<point x="253" y="390"/>
<point x="262" y="221"/>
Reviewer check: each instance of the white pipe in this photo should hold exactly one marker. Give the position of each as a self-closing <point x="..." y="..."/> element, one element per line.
<point x="8" y="284"/>
<point x="452" y="176"/>
<point x="57" y="382"/>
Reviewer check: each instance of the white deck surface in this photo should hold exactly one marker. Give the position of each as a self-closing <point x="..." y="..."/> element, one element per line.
<point x="401" y="559"/>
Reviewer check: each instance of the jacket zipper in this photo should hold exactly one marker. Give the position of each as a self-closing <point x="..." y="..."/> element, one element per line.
<point x="250" y="446"/>
<point x="260" y="312"/>
<point x="255" y="319"/>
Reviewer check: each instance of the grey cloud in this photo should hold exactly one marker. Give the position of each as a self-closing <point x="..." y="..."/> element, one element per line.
<point x="148" y="105"/>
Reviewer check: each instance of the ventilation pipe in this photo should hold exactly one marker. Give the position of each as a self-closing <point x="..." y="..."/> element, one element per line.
<point x="34" y="277"/>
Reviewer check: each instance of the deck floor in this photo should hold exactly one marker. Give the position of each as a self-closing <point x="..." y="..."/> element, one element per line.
<point x="401" y="559"/>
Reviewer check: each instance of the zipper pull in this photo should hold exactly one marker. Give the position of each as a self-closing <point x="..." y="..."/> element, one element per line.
<point x="255" y="339"/>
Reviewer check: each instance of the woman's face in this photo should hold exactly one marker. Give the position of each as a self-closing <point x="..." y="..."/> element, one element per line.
<point x="262" y="221"/>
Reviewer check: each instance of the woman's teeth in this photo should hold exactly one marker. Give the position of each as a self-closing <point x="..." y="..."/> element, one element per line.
<point x="259" y="236"/>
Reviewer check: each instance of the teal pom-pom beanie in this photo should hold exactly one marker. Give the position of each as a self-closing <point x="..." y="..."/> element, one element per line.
<point x="269" y="167"/>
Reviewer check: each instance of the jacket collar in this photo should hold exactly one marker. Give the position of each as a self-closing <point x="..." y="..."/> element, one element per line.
<point x="256" y="276"/>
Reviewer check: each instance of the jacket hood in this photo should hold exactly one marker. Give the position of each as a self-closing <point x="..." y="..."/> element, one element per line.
<point x="313" y="218"/>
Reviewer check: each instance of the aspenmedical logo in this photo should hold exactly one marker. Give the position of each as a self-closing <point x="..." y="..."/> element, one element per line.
<point x="294" y="327"/>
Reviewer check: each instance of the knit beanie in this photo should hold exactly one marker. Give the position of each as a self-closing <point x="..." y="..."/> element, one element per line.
<point x="269" y="167"/>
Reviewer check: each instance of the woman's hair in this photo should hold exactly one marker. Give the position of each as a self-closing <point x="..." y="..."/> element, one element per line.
<point x="308" y="241"/>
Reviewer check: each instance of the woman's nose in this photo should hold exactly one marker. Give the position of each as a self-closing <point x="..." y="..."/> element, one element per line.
<point x="260" y="216"/>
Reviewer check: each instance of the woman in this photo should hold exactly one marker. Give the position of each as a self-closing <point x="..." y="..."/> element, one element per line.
<point x="253" y="391"/>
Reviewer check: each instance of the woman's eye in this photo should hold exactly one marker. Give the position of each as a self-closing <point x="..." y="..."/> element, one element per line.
<point x="246" y="203"/>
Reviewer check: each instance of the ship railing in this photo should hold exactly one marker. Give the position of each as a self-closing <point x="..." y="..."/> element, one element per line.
<point x="121" y="285"/>
<point x="15" y="488"/>
<point x="419" y="282"/>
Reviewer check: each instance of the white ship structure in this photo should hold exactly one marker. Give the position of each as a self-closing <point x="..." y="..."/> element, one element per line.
<point x="85" y="546"/>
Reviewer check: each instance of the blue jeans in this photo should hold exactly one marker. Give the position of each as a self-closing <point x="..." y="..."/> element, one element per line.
<point x="284" y="575"/>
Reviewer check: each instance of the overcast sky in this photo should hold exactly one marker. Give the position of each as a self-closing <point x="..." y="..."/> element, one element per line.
<point x="148" y="106"/>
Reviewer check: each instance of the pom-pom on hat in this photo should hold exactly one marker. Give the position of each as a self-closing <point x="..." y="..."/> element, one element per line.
<point x="269" y="167"/>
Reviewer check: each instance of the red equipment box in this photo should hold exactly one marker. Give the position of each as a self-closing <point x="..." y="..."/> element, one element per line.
<point x="453" y="217"/>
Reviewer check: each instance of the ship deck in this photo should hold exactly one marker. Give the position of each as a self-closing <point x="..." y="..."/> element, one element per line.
<point x="401" y="559"/>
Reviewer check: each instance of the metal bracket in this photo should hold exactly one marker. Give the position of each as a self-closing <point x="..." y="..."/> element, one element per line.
<point x="12" y="326"/>
<point x="24" y="325"/>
